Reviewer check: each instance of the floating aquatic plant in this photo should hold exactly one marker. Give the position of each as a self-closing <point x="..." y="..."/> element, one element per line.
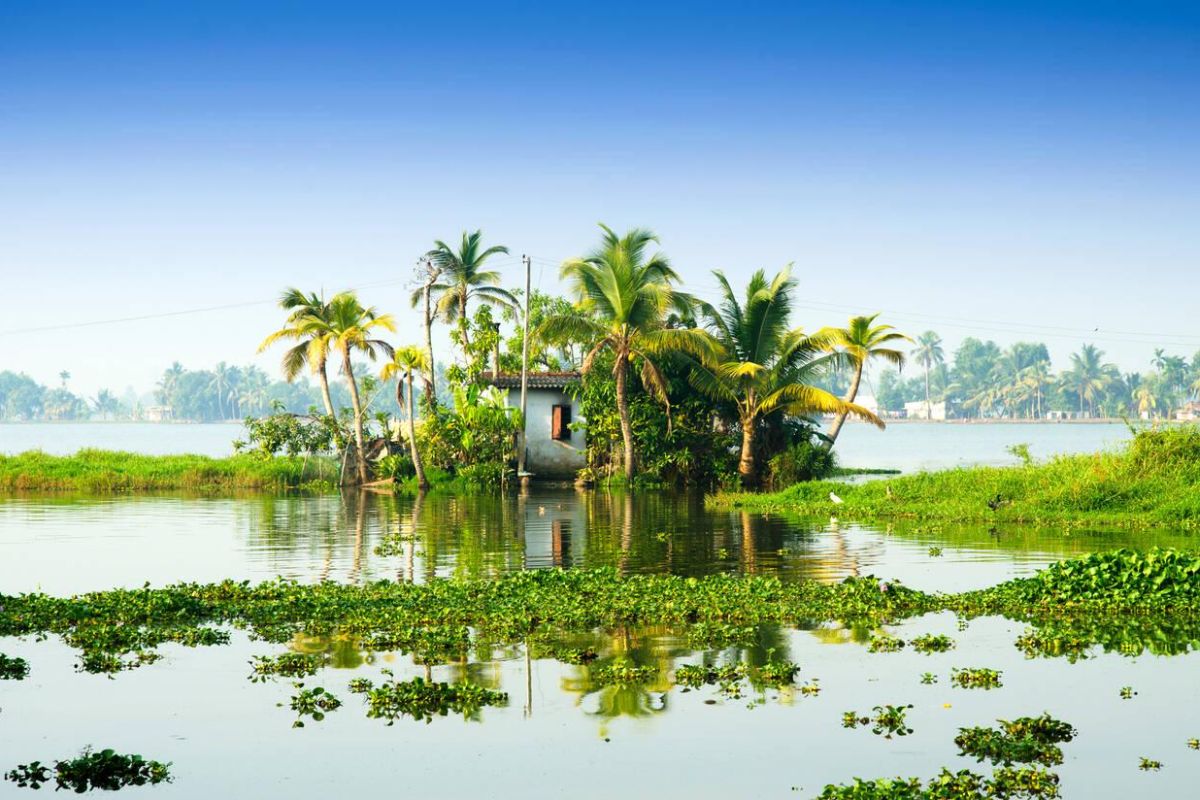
<point x="887" y="721"/>
<point x="422" y="700"/>
<point x="975" y="678"/>
<point x="314" y="703"/>
<point x="13" y="668"/>
<point x="885" y="643"/>
<point x="1024" y="740"/>
<point x="932" y="643"/>
<point x="291" y="665"/>
<point x="106" y="769"/>
<point x="622" y="673"/>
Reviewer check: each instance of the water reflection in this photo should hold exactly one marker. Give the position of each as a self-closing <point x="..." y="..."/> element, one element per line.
<point x="65" y="545"/>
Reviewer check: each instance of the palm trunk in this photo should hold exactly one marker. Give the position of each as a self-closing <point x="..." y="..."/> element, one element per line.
<point x="422" y="483"/>
<point x="323" y="377"/>
<point x="623" y="411"/>
<point x="428" y="375"/>
<point x="464" y="325"/>
<point x="928" y="403"/>
<point x="360" y="452"/>
<point x="747" y="467"/>
<point x="840" y="419"/>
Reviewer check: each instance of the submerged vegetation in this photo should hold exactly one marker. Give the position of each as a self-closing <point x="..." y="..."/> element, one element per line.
<point x="1155" y="480"/>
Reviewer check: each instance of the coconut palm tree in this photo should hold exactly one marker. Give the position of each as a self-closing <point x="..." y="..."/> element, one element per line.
<point x="405" y="361"/>
<point x="623" y="295"/>
<point x="861" y="341"/>
<point x="928" y="353"/>
<point x="312" y="346"/>
<point x="763" y="366"/>
<point x="1088" y="376"/>
<point x="461" y="276"/>
<point x="349" y="327"/>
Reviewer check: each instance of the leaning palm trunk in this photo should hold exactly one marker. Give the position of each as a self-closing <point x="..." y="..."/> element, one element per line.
<point x="360" y="455"/>
<point x="325" y="396"/>
<point x="422" y="483"/>
<point x="840" y="419"/>
<point x="623" y="410"/>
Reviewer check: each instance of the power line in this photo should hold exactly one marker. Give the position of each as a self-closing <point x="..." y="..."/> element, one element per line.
<point x="168" y="314"/>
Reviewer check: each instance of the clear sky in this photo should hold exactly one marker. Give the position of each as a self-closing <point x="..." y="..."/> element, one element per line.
<point x="1008" y="170"/>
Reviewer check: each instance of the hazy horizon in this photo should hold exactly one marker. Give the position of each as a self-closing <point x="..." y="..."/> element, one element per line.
<point x="1021" y="172"/>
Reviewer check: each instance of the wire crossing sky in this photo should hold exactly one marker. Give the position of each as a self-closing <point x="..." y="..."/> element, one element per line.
<point x="1003" y="170"/>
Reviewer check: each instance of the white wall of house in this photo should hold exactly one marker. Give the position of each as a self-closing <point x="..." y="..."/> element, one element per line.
<point x="917" y="409"/>
<point x="547" y="457"/>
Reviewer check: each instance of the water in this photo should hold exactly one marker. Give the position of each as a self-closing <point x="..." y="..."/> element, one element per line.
<point x="905" y="446"/>
<point x="559" y="733"/>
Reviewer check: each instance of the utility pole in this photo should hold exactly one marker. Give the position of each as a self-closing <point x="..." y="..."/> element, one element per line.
<point x="524" y="375"/>
<point x="429" y="275"/>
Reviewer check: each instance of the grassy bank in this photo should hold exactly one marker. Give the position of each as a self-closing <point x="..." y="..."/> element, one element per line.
<point x="1154" y="480"/>
<point x="115" y="471"/>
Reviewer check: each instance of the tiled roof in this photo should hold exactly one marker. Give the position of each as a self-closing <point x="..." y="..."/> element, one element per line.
<point x="537" y="380"/>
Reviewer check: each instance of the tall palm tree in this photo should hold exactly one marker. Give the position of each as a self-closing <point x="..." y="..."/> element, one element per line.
<point x="763" y="366"/>
<point x="461" y="276"/>
<point x="1089" y="376"/>
<point x="405" y="361"/>
<point x="223" y="378"/>
<point x="928" y="353"/>
<point x="168" y="385"/>
<point x="1037" y="378"/>
<point x="623" y="295"/>
<point x="349" y="327"/>
<point x="861" y="341"/>
<point x="312" y="346"/>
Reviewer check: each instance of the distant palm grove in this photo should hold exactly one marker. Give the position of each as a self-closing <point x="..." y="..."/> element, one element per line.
<point x="673" y="389"/>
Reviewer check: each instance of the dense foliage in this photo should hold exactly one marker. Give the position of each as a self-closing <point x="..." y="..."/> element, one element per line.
<point x="684" y="445"/>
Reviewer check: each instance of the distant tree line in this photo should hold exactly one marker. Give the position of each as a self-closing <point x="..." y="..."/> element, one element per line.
<point x="982" y="380"/>
<point x="224" y="392"/>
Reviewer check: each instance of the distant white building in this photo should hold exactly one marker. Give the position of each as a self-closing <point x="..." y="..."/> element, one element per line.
<point x="158" y="413"/>
<point x="868" y="402"/>
<point x="555" y="445"/>
<point x="918" y="409"/>
<point x="1189" y="413"/>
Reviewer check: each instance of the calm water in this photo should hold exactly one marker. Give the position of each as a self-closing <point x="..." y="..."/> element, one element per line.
<point x="905" y="446"/>
<point x="559" y="733"/>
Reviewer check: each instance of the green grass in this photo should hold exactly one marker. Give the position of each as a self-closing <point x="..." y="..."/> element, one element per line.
<point x="1154" y="481"/>
<point x="110" y="471"/>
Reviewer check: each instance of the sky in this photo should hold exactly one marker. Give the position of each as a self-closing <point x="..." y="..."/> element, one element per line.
<point x="1005" y="170"/>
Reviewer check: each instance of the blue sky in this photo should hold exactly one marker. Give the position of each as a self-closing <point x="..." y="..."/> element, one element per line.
<point x="1004" y="170"/>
